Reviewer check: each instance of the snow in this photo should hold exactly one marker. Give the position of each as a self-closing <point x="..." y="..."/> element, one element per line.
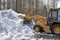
<point x="12" y="28"/>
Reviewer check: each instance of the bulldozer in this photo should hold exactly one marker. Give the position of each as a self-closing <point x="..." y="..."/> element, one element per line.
<point x="49" y="24"/>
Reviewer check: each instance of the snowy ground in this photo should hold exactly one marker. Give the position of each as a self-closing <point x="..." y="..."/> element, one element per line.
<point x="12" y="28"/>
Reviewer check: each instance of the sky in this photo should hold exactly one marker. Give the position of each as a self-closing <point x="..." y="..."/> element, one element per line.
<point x="58" y="3"/>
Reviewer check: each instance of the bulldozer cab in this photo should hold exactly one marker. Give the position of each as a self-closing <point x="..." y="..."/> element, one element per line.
<point x="53" y="15"/>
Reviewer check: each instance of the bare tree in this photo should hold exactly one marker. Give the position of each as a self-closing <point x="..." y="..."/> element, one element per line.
<point x="54" y="3"/>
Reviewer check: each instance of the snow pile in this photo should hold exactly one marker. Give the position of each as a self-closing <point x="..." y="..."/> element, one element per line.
<point x="12" y="28"/>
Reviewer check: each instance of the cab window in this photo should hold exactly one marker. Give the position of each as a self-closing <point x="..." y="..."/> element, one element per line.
<point x="58" y="14"/>
<point x="54" y="14"/>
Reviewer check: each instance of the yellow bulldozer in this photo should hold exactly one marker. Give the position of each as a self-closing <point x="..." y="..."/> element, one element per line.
<point x="49" y="24"/>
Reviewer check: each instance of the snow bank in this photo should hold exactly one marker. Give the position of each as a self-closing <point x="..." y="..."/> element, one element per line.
<point x="12" y="28"/>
